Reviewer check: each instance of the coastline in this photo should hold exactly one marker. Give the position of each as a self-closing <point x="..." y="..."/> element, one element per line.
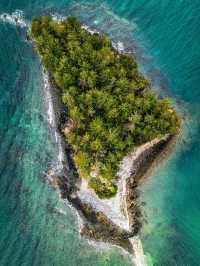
<point x="98" y="221"/>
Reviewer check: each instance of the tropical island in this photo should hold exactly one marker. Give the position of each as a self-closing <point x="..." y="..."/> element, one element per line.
<point x="111" y="109"/>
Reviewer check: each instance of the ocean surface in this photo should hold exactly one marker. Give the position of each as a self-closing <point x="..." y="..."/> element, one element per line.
<point x="36" y="226"/>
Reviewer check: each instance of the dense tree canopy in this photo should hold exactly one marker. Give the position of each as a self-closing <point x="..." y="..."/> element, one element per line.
<point x="111" y="109"/>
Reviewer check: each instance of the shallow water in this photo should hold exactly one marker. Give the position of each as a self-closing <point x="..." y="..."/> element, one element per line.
<point x="37" y="228"/>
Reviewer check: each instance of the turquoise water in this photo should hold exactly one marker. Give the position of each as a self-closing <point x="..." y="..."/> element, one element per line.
<point x="36" y="227"/>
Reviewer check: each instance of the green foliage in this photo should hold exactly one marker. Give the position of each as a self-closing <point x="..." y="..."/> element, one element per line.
<point x="104" y="188"/>
<point x="109" y="101"/>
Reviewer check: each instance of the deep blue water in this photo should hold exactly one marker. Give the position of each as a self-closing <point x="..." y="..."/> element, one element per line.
<point x="36" y="227"/>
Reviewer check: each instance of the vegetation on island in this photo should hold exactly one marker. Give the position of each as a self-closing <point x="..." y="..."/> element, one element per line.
<point x="110" y="106"/>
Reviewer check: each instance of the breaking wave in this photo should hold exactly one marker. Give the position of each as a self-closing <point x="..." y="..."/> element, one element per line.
<point x="16" y="18"/>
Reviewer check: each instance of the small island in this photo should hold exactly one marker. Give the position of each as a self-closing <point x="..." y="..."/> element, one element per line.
<point x="110" y="106"/>
<point x="111" y="124"/>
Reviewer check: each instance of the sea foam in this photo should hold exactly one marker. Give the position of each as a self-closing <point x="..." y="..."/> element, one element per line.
<point x="16" y="18"/>
<point x="139" y="258"/>
<point x="52" y="119"/>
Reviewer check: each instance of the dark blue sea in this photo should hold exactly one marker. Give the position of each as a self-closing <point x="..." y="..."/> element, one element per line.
<point x="36" y="226"/>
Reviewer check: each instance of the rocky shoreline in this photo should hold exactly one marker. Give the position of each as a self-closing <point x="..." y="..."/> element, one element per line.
<point x="97" y="225"/>
<point x="140" y="166"/>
